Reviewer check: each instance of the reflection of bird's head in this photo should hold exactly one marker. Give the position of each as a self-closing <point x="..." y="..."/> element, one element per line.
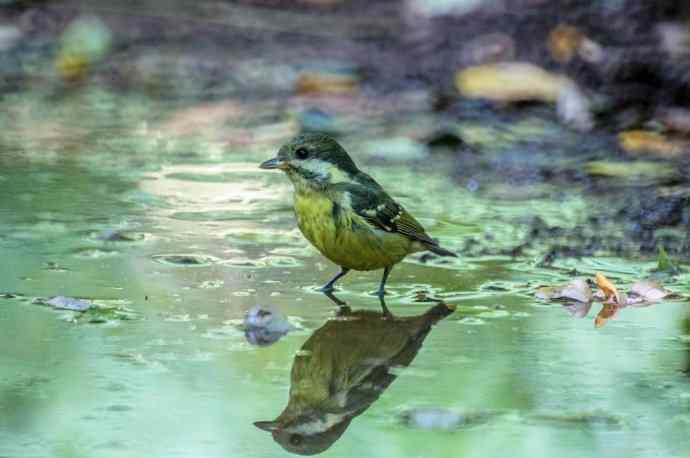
<point x="313" y="159"/>
<point x="307" y="434"/>
<point x="341" y="370"/>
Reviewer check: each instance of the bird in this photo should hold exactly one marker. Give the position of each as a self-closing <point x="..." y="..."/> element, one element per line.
<point x="341" y="370"/>
<point x="344" y="212"/>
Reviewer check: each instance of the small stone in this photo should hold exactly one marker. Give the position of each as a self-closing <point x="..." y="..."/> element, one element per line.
<point x="69" y="303"/>
<point x="265" y="325"/>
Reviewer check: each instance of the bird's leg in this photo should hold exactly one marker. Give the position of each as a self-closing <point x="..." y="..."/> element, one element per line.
<point x="335" y="299"/>
<point x="382" y="287"/>
<point x="386" y="313"/>
<point x="328" y="287"/>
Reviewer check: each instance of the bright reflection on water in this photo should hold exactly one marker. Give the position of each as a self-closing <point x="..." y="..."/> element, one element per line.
<point x="187" y="246"/>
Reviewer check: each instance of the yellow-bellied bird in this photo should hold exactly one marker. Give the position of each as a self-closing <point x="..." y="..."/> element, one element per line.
<point x="344" y="212"/>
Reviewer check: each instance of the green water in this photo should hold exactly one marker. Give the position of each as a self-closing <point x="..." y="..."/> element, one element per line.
<point x="178" y="377"/>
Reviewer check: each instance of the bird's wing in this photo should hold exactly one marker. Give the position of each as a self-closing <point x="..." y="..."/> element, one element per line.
<point x="377" y="208"/>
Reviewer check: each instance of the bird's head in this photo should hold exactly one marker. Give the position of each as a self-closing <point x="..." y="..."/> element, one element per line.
<point x="313" y="160"/>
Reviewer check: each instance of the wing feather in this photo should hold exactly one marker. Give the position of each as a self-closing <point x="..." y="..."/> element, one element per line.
<point x="378" y="209"/>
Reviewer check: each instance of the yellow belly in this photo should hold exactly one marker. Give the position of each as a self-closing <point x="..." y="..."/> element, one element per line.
<point x="344" y="237"/>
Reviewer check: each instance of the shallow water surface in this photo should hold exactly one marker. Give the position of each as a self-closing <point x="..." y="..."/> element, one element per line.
<point x="174" y="251"/>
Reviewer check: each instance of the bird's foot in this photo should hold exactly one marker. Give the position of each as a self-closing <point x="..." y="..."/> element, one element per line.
<point x="327" y="288"/>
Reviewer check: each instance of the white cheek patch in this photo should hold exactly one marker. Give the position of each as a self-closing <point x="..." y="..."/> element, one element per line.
<point x="325" y="171"/>
<point x="321" y="169"/>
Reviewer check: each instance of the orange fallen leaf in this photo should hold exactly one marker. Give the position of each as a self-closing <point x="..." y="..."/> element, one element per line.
<point x="609" y="289"/>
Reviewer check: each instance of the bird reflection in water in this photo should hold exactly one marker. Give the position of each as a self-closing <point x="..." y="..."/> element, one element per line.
<point x="341" y="370"/>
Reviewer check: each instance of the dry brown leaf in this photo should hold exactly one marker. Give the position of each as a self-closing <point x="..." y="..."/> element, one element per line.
<point x="611" y="294"/>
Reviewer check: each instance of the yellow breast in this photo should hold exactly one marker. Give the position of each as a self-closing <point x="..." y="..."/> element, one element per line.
<point x="344" y="237"/>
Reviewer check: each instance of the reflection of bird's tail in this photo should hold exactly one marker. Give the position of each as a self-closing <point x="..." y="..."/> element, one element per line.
<point x="438" y="312"/>
<point x="440" y="251"/>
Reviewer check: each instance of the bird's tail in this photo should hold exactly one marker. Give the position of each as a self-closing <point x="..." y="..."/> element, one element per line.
<point x="440" y="251"/>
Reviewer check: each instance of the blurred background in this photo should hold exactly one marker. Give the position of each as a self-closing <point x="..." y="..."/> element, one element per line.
<point x="542" y="141"/>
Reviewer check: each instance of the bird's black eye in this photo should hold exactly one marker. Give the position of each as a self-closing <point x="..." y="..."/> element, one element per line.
<point x="295" y="439"/>
<point x="302" y="153"/>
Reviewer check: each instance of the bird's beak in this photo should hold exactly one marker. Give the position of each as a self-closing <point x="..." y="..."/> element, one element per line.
<point x="274" y="163"/>
<point x="266" y="425"/>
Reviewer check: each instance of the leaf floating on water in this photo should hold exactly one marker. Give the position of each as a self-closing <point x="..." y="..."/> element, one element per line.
<point x="641" y="293"/>
<point x="611" y="294"/>
<point x="646" y="292"/>
<point x="577" y="290"/>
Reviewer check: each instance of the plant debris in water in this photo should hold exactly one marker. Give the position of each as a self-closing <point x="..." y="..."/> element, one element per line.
<point x="579" y="296"/>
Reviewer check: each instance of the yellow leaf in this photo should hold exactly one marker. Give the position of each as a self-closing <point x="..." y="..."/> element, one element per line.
<point x="609" y="289"/>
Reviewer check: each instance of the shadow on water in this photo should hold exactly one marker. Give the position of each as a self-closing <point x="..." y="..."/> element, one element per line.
<point x="341" y="370"/>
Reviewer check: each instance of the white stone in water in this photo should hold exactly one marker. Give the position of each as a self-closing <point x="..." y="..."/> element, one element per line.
<point x="265" y="325"/>
<point x="434" y="418"/>
<point x="69" y="303"/>
<point x="267" y="317"/>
